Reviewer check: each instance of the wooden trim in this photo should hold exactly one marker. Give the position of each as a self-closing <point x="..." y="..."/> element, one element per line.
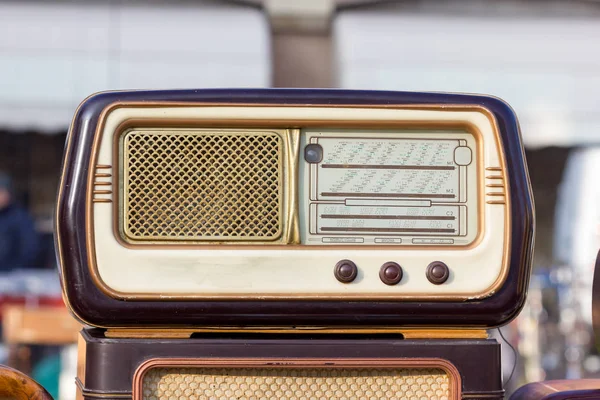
<point x="81" y="355"/>
<point x="406" y="333"/>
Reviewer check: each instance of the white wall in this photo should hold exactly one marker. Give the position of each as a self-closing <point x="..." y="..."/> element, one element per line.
<point x="546" y="66"/>
<point x="54" y="54"/>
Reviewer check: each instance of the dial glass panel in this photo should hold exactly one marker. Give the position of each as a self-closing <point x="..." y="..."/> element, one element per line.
<point x="386" y="188"/>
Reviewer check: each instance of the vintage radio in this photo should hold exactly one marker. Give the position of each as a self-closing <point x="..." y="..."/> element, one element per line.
<point x="293" y="244"/>
<point x="294" y="208"/>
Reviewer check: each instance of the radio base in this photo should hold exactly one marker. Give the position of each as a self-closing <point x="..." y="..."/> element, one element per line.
<point x="258" y="365"/>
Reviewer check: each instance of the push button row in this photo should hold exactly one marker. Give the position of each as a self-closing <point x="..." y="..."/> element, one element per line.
<point x="391" y="273"/>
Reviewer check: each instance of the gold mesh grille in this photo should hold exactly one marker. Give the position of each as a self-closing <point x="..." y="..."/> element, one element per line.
<point x="202" y="185"/>
<point x="295" y="384"/>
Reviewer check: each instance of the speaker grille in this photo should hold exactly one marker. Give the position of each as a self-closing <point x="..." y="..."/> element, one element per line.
<point x="295" y="384"/>
<point x="202" y="185"/>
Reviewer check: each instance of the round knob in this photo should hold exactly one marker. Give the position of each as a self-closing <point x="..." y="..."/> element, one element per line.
<point x="345" y="271"/>
<point x="390" y="273"/>
<point x="437" y="272"/>
<point x="313" y="153"/>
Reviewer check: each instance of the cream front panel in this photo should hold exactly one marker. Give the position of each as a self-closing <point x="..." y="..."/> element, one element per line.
<point x="454" y="210"/>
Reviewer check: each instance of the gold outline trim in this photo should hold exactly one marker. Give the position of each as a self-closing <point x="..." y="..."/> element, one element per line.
<point x="436" y="107"/>
<point x="248" y="124"/>
<point x="454" y="377"/>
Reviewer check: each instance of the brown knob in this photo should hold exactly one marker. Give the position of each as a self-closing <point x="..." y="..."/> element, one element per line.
<point x="345" y="271"/>
<point x="437" y="272"/>
<point x="390" y="273"/>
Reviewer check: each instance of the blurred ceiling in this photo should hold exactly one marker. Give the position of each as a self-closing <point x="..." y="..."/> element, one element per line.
<point x="54" y="54"/>
<point x="546" y="65"/>
<point x="539" y="55"/>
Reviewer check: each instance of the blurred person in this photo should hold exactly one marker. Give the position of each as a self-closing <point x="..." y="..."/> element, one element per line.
<point x="18" y="239"/>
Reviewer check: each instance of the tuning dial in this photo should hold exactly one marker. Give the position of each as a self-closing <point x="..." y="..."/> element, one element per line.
<point x="390" y="273"/>
<point x="345" y="271"/>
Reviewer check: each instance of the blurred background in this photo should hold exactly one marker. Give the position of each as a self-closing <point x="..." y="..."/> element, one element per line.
<point x="542" y="56"/>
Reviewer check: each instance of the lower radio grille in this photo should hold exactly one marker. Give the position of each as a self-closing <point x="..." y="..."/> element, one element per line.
<point x="295" y="383"/>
